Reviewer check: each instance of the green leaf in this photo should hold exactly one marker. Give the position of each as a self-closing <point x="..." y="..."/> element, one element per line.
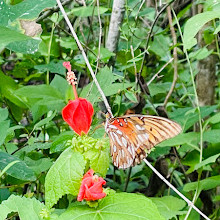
<point x="64" y="177"/>
<point x="8" y="166"/>
<point x="28" y="9"/>
<point x="200" y="54"/>
<point x="105" y="78"/>
<point x="206" y="184"/>
<point x="116" y="206"/>
<point x="53" y="67"/>
<point x="25" y="207"/>
<point x="189" y="116"/>
<point x="209" y="160"/>
<point x="8" y="89"/>
<point x="169" y="206"/>
<point x="194" y="24"/>
<point x="156" y="88"/>
<point x="100" y="161"/>
<point x="60" y="142"/>
<point x="3" y="114"/>
<point x="4" y="126"/>
<point x="44" y="121"/>
<point x="88" y="11"/>
<point x="19" y="170"/>
<point x="131" y="96"/>
<point x="212" y="136"/>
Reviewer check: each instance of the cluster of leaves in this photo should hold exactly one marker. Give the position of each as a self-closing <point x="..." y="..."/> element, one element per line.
<point x="43" y="161"/>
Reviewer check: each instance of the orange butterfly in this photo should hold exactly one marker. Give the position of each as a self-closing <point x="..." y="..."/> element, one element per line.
<point x="131" y="135"/>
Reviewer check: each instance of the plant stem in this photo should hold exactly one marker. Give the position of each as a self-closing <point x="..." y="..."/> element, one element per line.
<point x="48" y="54"/>
<point x="197" y="106"/>
<point x="85" y="57"/>
<point x="175" y="190"/>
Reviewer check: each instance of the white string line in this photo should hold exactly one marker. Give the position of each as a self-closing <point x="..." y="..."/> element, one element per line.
<point x="175" y="190"/>
<point x="84" y="56"/>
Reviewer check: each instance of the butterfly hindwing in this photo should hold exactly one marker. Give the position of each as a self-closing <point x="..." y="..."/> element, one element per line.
<point x="131" y="135"/>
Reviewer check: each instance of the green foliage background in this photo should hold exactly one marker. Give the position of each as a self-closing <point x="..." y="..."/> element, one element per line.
<point x="42" y="161"/>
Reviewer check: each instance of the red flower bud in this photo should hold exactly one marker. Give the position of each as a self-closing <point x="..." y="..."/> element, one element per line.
<point x="78" y="115"/>
<point x="91" y="187"/>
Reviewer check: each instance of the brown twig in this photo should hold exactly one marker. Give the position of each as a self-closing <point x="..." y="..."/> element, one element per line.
<point x="175" y="68"/>
<point x="50" y="11"/>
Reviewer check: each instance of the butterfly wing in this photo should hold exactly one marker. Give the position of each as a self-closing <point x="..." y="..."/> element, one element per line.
<point x="131" y="135"/>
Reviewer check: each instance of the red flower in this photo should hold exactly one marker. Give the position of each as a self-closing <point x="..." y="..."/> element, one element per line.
<point x="91" y="187"/>
<point x="78" y="115"/>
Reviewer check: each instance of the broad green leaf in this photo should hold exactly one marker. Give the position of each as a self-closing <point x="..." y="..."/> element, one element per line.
<point x="88" y="11"/>
<point x="156" y="88"/>
<point x="19" y="170"/>
<point x="217" y="30"/>
<point x="116" y="206"/>
<point x="60" y="142"/>
<point x="39" y="165"/>
<point x="105" y="78"/>
<point x="25" y="207"/>
<point x="214" y="119"/>
<point x="53" y="67"/>
<point x="3" y="114"/>
<point x="206" y="184"/>
<point x="209" y="160"/>
<point x="9" y="36"/>
<point x="100" y="161"/>
<point x="28" y="9"/>
<point x="200" y="54"/>
<point x="4" y="126"/>
<point x="194" y="24"/>
<point x="32" y="94"/>
<point x="212" y="136"/>
<point x="131" y="96"/>
<point x="8" y="89"/>
<point x="64" y="177"/>
<point x="44" y="121"/>
<point x="7" y="167"/>
<point x="161" y="47"/>
<point x="189" y="116"/>
<point x="169" y="206"/>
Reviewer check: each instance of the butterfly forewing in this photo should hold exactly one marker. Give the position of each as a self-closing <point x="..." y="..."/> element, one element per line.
<point x="132" y="135"/>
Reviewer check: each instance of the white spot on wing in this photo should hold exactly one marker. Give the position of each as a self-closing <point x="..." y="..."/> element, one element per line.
<point x="124" y="141"/>
<point x="112" y="126"/>
<point x="117" y="139"/>
<point x="119" y="132"/>
<point x="139" y="127"/>
<point x="114" y="148"/>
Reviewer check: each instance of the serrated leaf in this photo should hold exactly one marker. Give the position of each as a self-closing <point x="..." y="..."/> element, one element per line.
<point x="64" y="177"/>
<point x="116" y="206"/>
<point x="100" y="161"/>
<point x="19" y="170"/>
<point x="169" y="206"/>
<point x="25" y="207"/>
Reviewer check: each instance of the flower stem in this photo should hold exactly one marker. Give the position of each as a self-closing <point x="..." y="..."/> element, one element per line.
<point x="75" y="92"/>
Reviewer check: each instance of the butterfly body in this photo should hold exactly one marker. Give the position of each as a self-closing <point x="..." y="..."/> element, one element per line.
<point x="132" y="135"/>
